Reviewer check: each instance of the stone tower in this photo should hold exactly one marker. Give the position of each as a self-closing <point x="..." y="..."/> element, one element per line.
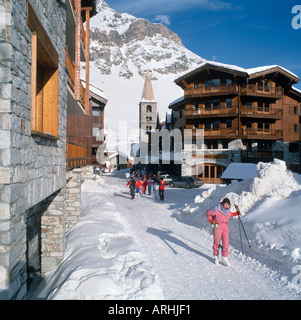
<point x="147" y="111"/>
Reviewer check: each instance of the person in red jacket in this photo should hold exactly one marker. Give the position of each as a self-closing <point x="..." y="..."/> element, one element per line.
<point x="221" y="214"/>
<point x="161" y="189"/>
<point x="138" y="186"/>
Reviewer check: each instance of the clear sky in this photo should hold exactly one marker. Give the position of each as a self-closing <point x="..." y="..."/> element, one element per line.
<point x="246" y="33"/>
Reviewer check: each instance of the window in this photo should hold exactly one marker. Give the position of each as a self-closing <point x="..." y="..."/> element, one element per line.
<point x="249" y="104"/>
<point x="216" y="104"/>
<point x="225" y="144"/>
<point x="149" y="118"/>
<point x="229" y="123"/>
<point x="212" y="104"/>
<point x="196" y="85"/>
<point x="149" y="108"/>
<point x="211" y="83"/>
<point x="229" y="103"/>
<point x="215" y="124"/>
<point x="44" y="79"/>
<point x="96" y="111"/>
<point x="294" y="147"/>
<point x="96" y="132"/>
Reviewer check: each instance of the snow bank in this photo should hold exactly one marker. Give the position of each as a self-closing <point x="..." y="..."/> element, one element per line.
<point x="102" y="261"/>
<point x="270" y="207"/>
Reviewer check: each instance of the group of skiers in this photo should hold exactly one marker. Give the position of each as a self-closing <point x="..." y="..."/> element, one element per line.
<point x="150" y="183"/>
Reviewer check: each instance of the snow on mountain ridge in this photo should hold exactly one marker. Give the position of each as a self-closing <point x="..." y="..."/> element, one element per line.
<point x="123" y="48"/>
<point x="117" y="38"/>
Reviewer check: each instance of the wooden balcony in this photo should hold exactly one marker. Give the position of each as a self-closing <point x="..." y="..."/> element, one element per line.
<point x="79" y="93"/>
<point x="260" y="155"/>
<point x="75" y="155"/>
<point x="261" y="91"/>
<point x="190" y="113"/>
<point x="261" y="112"/>
<point x="219" y="133"/>
<point x="210" y="91"/>
<point x="255" y="133"/>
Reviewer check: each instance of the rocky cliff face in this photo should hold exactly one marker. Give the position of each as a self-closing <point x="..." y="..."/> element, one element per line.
<point x="123" y="49"/>
<point x="120" y="39"/>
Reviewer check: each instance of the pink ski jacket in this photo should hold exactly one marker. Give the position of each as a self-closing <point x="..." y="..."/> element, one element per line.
<point x="219" y="214"/>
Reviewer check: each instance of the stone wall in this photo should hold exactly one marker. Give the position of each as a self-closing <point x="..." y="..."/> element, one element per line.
<point x="32" y="168"/>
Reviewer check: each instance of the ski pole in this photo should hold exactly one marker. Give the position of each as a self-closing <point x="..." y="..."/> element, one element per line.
<point x="215" y="228"/>
<point x="239" y="219"/>
<point x="240" y="236"/>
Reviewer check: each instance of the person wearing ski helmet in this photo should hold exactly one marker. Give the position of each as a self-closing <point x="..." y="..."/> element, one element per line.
<point x="220" y="215"/>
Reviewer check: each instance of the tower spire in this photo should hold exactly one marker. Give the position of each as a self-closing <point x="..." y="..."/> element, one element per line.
<point x="148" y="93"/>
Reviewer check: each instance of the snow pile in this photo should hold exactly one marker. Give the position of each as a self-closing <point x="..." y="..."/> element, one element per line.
<point x="102" y="260"/>
<point x="270" y="207"/>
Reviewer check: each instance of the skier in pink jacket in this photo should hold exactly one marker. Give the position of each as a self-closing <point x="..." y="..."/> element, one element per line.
<point x="221" y="214"/>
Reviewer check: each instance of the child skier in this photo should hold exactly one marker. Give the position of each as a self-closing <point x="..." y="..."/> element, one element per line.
<point x="221" y="214"/>
<point x="138" y="186"/>
<point x="132" y="184"/>
<point x="161" y="189"/>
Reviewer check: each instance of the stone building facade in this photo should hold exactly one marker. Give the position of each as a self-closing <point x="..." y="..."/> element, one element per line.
<point x="38" y="201"/>
<point x="32" y="166"/>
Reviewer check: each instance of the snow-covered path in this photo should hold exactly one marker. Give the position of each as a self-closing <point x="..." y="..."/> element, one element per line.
<point x="181" y="255"/>
<point x="127" y="249"/>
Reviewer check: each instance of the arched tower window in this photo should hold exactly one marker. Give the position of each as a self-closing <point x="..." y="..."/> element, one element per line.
<point x="149" y="108"/>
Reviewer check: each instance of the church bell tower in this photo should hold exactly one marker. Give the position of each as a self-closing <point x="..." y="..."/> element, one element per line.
<point x="147" y="111"/>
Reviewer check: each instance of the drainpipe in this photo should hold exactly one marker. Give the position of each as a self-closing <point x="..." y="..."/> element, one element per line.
<point x="238" y="110"/>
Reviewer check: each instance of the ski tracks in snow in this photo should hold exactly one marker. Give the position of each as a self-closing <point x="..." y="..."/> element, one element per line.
<point x="181" y="256"/>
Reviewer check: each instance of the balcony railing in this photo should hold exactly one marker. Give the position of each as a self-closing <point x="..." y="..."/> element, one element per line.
<point x="256" y="133"/>
<point x="208" y="112"/>
<point x="256" y="90"/>
<point x="211" y="90"/>
<point x="71" y="70"/>
<point x="218" y="132"/>
<point x="261" y="112"/>
<point x="260" y="155"/>
<point x="75" y="155"/>
<point x="71" y="79"/>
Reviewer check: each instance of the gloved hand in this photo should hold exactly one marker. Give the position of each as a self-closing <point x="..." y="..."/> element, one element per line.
<point x="212" y="225"/>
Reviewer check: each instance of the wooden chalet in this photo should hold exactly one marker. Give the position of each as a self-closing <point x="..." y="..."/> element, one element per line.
<point x="255" y="111"/>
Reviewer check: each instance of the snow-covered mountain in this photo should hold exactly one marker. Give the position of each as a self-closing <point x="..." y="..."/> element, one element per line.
<point x="123" y="48"/>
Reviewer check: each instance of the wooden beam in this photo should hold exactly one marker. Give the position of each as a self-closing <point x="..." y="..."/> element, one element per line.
<point x="33" y="79"/>
<point x="44" y="41"/>
<point x="87" y="48"/>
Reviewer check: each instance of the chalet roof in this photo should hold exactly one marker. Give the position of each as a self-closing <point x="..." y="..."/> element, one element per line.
<point x="95" y="92"/>
<point x="252" y="72"/>
<point x="177" y="103"/>
<point x="255" y="72"/>
<point x="148" y="93"/>
<point x="216" y="66"/>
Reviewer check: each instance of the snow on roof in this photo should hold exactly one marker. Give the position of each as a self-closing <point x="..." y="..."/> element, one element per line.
<point x="249" y="71"/>
<point x="296" y="89"/>
<point x="94" y="89"/>
<point x="180" y="99"/>
<point x="240" y="171"/>
<point x="265" y="68"/>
